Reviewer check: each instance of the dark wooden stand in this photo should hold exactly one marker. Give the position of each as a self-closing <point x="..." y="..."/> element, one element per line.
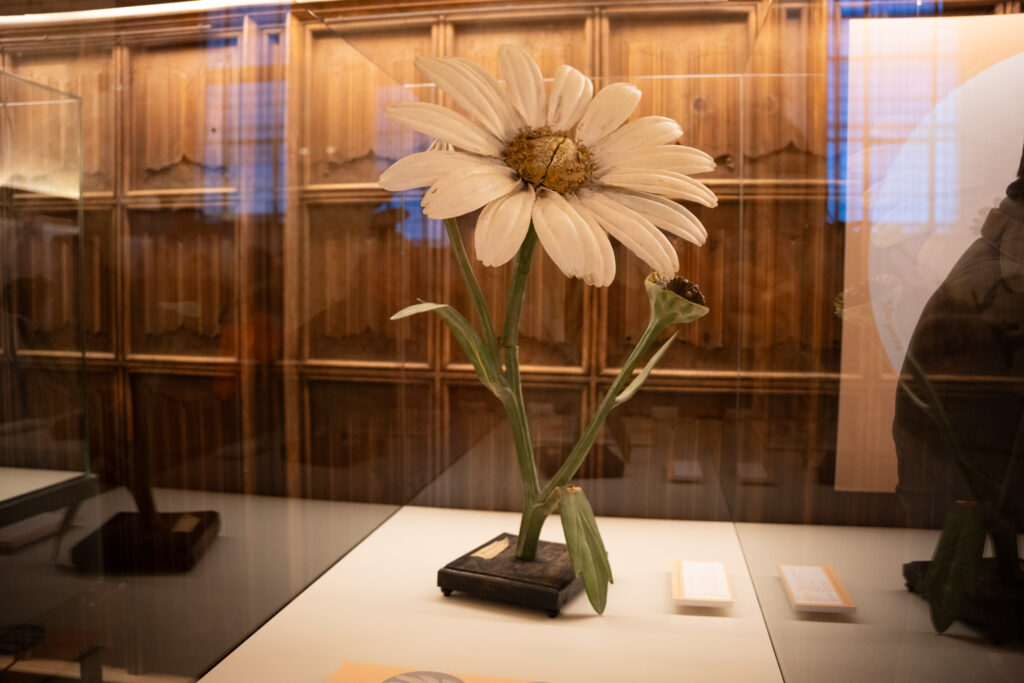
<point x="126" y="544"/>
<point x="546" y="583"/>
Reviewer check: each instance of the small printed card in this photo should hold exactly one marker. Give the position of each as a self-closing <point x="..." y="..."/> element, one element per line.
<point x="357" y="672"/>
<point x="815" y="588"/>
<point x="700" y="584"/>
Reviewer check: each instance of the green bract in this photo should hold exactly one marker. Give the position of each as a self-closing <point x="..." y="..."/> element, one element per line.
<point x="669" y="307"/>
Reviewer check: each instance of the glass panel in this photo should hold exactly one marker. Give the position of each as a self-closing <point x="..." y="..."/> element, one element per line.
<point x="883" y="313"/>
<point x="255" y="413"/>
<point x="43" y="440"/>
<point x="44" y="452"/>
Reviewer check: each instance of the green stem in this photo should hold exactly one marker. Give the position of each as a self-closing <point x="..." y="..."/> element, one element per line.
<point x="514" y="404"/>
<point x="479" y="302"/>
<point x="579" y="452"/>
<point x="534" y="515"/>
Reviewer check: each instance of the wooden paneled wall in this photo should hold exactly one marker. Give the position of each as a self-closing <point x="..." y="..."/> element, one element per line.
<point x="241" y="265"/>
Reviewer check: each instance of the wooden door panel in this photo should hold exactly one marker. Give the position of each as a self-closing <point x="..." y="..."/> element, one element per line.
<point x="182" y="298"/>
<point x="183" y="115"/>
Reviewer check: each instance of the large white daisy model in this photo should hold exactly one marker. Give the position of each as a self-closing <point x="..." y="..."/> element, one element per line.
<point x="566" y="162"/>
<point x="569" y="167"/>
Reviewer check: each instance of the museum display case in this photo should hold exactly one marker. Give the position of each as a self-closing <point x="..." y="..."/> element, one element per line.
<point x="855" y="383"/>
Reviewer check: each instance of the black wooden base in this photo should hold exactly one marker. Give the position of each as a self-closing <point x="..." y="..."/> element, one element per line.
<point x="126" y="545"/>
<point x="995" y="607"/>
<point x="546" y="583"/>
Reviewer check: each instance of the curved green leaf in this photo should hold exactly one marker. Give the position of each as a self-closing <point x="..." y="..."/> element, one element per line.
<point x="484" y="360"/>
<point x="586" y="549"/>
<point x="638" y="381"/>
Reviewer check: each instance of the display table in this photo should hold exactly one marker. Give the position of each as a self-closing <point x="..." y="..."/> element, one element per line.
<point x="268" y="550"/>
<point x="890" y="636"/>
<point x="380" y="605"/>
<point x="18" y="481"/>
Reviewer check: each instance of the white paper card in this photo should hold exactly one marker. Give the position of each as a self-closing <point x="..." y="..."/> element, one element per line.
<point x="815" y="588"/>
<point x="700" y="584"/>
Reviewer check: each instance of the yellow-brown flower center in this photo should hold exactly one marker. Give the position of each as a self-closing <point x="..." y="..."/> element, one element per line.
<point x="550" y="158"/>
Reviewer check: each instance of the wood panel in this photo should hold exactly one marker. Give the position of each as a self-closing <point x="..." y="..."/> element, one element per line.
<point x="183" y="115"/>
<point x="187" y="429"/>
<point x="42" y="426"/>
<point x="686" y="65"/>
<point x="791" y="440"/>
<point x="89" y="74"/>
<point x="480" y="459"/>
<point x="788" y="316"/>
<point x="105" y="405"/>
<point x="377" y="410"/>
<point x="784" y="93"/>
<point x="45" y="289"/>
<point x="368" y="441"/>
<point x="352" y="77"/>
<point x="365" y="262"/>
<point x="182" y="298"/>
<point x="553" y="40"/>
<point x="674" y="446"/>
<point x="711" y="343"/>
<point x="556" y="311"/>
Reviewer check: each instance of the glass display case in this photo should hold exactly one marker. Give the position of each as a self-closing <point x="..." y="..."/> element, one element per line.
<point x="43" y="443"/>
<point x="848" y="410"/>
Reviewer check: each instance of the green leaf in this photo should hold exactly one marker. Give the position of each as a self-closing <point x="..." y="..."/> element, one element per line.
<point x="484" y="360"/>
<point x="422" y="307"/>
<point x="586" y="549"/>
<point x="638" y="381"/>
<point x="954" y="566"/>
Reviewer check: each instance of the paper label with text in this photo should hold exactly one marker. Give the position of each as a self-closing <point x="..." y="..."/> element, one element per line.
<point x="810" y="585"/>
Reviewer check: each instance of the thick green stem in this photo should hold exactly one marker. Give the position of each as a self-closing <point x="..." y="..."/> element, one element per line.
<point x="534" y="515"/>
<point x="572" y="464"/>
<point x="515" y="407"/>
<point x="479" y="302"/>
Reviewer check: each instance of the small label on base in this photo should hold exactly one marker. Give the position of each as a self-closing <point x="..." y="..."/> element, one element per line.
<point x="491" y="550"/>
<point x="700" y="584"/>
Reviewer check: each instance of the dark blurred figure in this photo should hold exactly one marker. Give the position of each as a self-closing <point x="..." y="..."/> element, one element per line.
<point x="969" y="342"/>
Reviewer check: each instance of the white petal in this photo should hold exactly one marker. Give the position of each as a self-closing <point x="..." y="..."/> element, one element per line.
<point x="676" y="158"/>
<point x="665" y="214"/>
<point x="440" y="146"/>
<point x="424" y="169"/>
<point x="473" y="89"/>
<point x="607" y="111"/>
<point x="447" y="126"/>
<point x="463" y="190"/>
<point x="502" y="225"/>
<point x="558" y="234"/>
<point x="570" y="95"/>
<point x="634" y="231"/>
<point x="603" y="272"/>
<point x="590" y="254"/>
<point x="646" y="131"/>
<point x="665" y="183"/>
<point x="525" y="84"/>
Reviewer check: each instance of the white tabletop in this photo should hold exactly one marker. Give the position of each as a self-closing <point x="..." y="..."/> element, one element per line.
<point x="17" y="481"/>
<point x="889" y="637"/>
<point x="380" y="604"/>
